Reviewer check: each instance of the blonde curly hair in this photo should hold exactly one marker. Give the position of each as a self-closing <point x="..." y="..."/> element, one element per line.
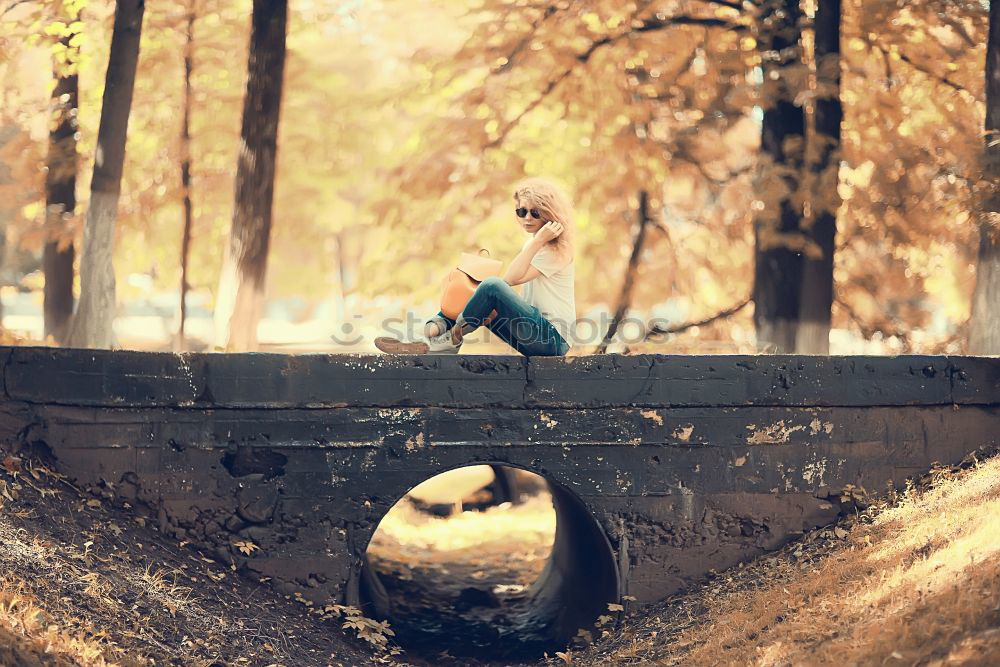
<point x="553" y="203"/>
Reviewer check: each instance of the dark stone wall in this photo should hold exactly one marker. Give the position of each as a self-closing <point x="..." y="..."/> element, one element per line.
<point x="686" y="463"/>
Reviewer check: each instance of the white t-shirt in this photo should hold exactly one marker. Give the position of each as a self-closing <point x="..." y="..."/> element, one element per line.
<point x="552" y="292"/>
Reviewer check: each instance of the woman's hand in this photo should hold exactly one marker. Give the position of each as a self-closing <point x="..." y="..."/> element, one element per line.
<point x="549" y="231"/>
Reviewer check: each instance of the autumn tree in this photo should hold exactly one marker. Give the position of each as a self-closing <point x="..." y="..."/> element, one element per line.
<point x="152" y="208"/>
<point x="984" y="329"/>
<point x="185" y="142"/>
<point x="60" y="180"/>
<point x="92" y="324"/>
<point x="820" y="227"/>
<point x="912" y="93"/>
<point x="779" y="242"/>
<point x="241" y="287"/>
<point x="628" y="281"/>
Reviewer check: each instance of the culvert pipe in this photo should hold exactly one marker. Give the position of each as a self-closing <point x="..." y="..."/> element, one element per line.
<point x="580" y="577"/>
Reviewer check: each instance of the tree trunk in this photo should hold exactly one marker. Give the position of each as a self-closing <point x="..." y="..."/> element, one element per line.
<point x="241" y="287"/>
<point x="777" y="234"/>
<point x="506" y="488"/>
<point x="179" y="342"/>
<point x="625" y="297"/>
<point x="60" y="203"/>
<point x="816" y="300"/>
<point x="92" y="324"/>
<point x="342" y="278"/>
<point x="984" y="326"/>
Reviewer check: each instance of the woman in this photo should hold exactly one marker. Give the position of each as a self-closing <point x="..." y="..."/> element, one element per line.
<point x="537" y="323"/>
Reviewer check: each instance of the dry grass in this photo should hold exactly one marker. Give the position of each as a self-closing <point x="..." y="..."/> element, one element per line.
<point x="83" y="582"/>
<point x="913" y="582"/>
<point x="29" y="637"/>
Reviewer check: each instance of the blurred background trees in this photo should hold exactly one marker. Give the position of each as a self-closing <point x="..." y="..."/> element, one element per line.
<point x="60" y="175"/>
<point x="240" y="297"/>
<point x="824" y="157"/>
<point x="984" y="334"/>
<point x="91" y="324"/>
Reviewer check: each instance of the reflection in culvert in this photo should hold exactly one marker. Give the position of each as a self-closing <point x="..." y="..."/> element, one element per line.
<point x="488" y="562"/>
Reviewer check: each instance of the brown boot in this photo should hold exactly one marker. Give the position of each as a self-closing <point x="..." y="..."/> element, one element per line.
<point x="391" y="345"/>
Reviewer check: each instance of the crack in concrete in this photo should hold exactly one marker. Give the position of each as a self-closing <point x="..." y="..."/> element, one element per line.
<point x="6" y="364"/>
<point x="528" y="381"/>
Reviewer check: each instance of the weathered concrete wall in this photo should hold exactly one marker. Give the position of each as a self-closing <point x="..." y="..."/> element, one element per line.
<point x="686" y="463"/>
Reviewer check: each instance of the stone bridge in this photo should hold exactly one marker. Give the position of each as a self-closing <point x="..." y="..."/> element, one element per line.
<point x="661" y="467"/>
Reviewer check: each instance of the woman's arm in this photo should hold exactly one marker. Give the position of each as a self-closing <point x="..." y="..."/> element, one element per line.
<point x="520" y="269"/>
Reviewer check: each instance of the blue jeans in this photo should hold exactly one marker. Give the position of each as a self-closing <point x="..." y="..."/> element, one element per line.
<point x="517" y="323"/>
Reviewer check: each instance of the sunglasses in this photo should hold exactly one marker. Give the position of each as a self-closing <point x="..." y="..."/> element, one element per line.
<point x="523" y="213"/>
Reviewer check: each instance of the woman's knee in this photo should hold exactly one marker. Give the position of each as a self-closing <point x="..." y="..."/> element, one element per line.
<point x="493" y="284"/>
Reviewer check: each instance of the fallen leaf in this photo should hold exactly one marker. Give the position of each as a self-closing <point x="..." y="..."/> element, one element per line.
<point x="12" y="464"/>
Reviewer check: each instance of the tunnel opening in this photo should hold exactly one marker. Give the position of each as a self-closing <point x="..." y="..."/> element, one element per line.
<point x="488" y="562"/>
